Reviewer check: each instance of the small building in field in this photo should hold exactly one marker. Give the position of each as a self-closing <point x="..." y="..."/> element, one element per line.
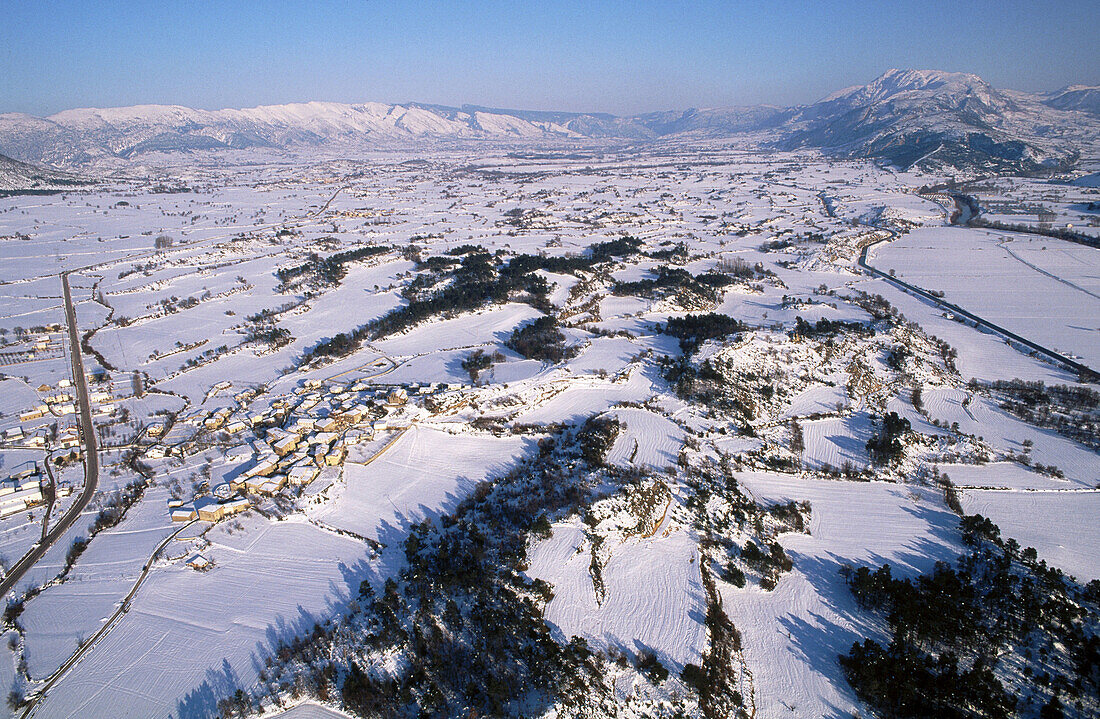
<point x="39" y="411"/>
<point x="199" y="563"/>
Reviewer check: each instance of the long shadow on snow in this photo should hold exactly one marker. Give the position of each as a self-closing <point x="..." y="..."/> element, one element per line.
<point x="202" y="702"/>
<point x="819" y="640"/>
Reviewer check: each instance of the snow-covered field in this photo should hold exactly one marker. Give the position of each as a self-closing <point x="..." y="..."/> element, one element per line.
<point x="654" y="596"/>
<point x="425" y="473"/>
<point x="190" y="637"/>
<point x="196" y="345"/>
<point x="795" y="633"/>
<point x="1041" y="288"/>
<point x="1060" y="525"/>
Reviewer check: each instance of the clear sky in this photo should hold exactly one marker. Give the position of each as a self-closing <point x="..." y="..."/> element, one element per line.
<point x="581" y="55"/>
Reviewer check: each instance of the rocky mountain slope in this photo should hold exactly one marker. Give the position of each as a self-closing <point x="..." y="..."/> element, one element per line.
<point x="909" y="117"/>
<point x="903" y="117"/>
<point x="17" y="177"/>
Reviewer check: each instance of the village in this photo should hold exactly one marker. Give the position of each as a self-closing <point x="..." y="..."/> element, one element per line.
<point x="294" y="438"/>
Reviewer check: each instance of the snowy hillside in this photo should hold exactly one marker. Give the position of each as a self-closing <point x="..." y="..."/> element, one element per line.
<point x="1076" y="97"/>
<point x="18" y="176"/>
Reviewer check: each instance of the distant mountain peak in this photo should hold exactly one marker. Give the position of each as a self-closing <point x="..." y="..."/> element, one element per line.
<point x="897" y="81"/>
<point x="904" y="116"/>
<point x="1082" y="98"/>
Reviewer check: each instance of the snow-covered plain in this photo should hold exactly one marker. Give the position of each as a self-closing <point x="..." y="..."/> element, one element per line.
<point x="190" y="316"/>
<point x="1044" y="289"/>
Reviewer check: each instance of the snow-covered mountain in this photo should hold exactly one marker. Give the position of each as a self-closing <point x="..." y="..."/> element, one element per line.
<point x="75" y="137"/>
<point x="904" y="117"/>
<point x="16" y="177"/>
<point x="930" y="117"/>
<point x="1076" y="97"/>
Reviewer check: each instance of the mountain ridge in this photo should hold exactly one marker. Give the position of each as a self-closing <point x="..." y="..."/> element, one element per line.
<point x="902" y="117"/>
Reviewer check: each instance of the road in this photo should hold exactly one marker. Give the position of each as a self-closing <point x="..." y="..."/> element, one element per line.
<point x="91" y="459"/>
<point x="53" y="497"/>
<point x="123" y="607"/>
<point x="325" y="207"/>
<point x="1071" y="364"/>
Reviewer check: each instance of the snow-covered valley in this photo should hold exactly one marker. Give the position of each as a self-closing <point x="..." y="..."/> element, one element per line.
<point x="591" y="431"/>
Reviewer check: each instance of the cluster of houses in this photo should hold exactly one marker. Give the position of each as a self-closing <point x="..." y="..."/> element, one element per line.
<point x="43" y="345"/>
<point x="213" y="508"/>
<point x="20" y="491"/>
<point x="33" y="430"/>
<point x="302" y="434"/>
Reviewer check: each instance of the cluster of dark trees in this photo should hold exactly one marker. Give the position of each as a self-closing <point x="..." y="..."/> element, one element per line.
<point x="736" y="515"/>
<point x="671" y="279"/>
<point x="596" y="437"/>
<point x="342" y="344"/>
<point x="713" y="679"/>
<point x="694" y="330"/>
<point x="885" y="445"/>
<point x="541" y="340"/>
<point x="475" y="282"/>
<point x="328" y="270"/>
<point x="770" y="564"/>
<point x="463" y="616"/>
<point x="678" y="252"/>
<point x="738" y="268"/>
<point x="827" y="328"/>
<point x="478" y="361"/>
<point x="777" y="245"/>
<point x="707" y="383"/>
<point x="116" y="505"/>
<point x="479" y="279"/>
<point x="951" y="628"/>
<point x="1069" y="410"/>
<point x="269" y="334"/>
<point x="620" y="247"/>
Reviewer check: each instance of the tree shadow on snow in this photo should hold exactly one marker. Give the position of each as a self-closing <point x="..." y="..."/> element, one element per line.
<point x="819" y="640"/>
<point x="202" y="702"/>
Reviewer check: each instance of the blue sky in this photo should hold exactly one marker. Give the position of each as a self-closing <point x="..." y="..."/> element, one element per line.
<point x="620" y="57"/>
